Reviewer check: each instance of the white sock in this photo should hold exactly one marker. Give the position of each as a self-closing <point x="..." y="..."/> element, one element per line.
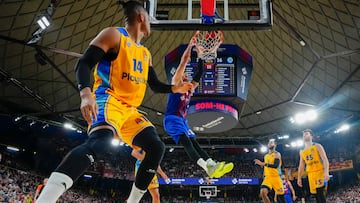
<point x="57" y="184"/>
<point x="135" y="195"/>
<point x="202" y="163"/>
<point x="211" y="162"/>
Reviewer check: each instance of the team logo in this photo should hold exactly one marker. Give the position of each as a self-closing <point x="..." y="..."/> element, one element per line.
<point x="319" y="182"/>
<point x="138" y="120"/>
<point x="230" y="60"/>
<point x="128" y="43"/>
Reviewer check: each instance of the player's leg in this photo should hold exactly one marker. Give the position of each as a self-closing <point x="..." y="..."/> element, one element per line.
<point x="320" y="195"/>
<point x="320" y="187"/>
<point x="155" y="195"/>
<point x="75" y="163"/>
<point x="192" y="152"/>
<point x="264" y="191"/>
<point x="278" y="187"/>
<point x="149" y="141"/>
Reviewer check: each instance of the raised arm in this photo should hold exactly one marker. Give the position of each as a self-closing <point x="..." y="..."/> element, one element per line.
<point x="177" y="78"/>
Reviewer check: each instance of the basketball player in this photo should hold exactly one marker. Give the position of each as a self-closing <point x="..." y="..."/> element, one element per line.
<point x="317" y="166"/>
<point x="153" y="188"/>
<point x="272" y="172"/>
<point x="289" y="192"/>
<point x="39" y="188"/>
<point x="123" y="68"/>
<point x="177" y="126"/>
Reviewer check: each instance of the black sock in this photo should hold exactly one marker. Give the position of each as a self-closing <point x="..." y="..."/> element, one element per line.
<point x="189" y="148"/>
<point x="320" y="195"/>
<point x="201" y="152"/>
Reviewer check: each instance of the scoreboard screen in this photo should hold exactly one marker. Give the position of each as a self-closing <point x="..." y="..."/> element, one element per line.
<point x="228" y="75"/>
<point x="218" y="78"/>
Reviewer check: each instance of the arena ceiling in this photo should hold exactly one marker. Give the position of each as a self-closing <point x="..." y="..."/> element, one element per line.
<point x="287" y="77"/>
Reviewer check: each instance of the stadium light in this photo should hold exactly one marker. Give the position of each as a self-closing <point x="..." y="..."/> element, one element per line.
<point x="171" y="149"/>
<point x="69" y="126"/>
<point x="342" y="128"/>
<point x="14" y="149"/>
<point x="122" y="143"/>
<point x="263" y="149"/>
<point x="246" y="150"/>
<point x="301" y="118"/>
<point x="43" y="22"/>
<point x="283" y="137"/>
<point x="255" y="150"/>
<point x="287" y="145"/>
<point x="87" y="176"/>
<point x="115" y="142"/>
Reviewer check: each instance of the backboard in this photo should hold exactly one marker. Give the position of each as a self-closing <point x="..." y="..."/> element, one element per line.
<point x="256" y="15"/>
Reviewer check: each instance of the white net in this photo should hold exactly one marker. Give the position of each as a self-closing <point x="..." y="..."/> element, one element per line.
<point x="207" y="43"/>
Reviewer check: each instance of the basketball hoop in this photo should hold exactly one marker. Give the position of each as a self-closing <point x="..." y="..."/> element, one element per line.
<point x="207" y="43"/>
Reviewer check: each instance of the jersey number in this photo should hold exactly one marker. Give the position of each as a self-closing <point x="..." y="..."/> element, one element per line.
<point x="137" y="66"/>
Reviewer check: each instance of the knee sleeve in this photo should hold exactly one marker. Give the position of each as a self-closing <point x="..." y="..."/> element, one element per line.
<point x="281" y="198"/>
<point x="82" y="156"/>
<point x="150" y="142"/>
<point x="197" y="147"/>
<point x="320" y="195"/>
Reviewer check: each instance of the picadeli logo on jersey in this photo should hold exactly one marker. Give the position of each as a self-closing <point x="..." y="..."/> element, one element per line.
<point x="133" y="78"/>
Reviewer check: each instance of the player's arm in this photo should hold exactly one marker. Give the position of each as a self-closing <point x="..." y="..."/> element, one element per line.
<point x="159" y="87"/>
<point x="325" y="160"/>
<point x="292" y="190"/>
<point x="275" y="198"/>
<point x="300" y="170"/>
<point x="198" y="75"/>
<point x="106" y="41"/>
<point x="185" y="58"/>
<point x="137" y="155"/>
<point x="258" y="162"/>
<point x="276" y="161"/>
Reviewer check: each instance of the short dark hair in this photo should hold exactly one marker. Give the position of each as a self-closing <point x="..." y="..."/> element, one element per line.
<point x="308" y="130"/>
<point x="131" y="10"/>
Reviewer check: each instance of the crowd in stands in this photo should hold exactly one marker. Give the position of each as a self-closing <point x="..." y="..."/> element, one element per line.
<point x="349" y="194"/>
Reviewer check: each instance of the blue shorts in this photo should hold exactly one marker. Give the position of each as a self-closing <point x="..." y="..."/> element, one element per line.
<point x="288" y="198"/>
<point x="176" y="126"/>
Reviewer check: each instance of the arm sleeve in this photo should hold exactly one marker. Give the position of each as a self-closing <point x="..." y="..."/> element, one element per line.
<point x="275" y="165"/>
<point x="155" y="84"/>
<point x="200" y="71"/>
<point x="86" y="63"/>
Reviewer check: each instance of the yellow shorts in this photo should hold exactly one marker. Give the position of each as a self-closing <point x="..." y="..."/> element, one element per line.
<point x="154" y="183"/>
<point x="126" y="120"/>
<point x="316" y="180"/>
<point x="274" y="182"/>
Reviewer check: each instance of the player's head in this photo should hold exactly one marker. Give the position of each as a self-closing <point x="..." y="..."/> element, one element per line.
<point x="185" y="77"/>
<point x="135" y="14"/>
<point x="272" y="144"/>
<point x="283" y="177"/>
<point x="307" y="135"/>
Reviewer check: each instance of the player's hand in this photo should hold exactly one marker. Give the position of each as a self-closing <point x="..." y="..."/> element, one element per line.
<point x="275" y="199"/>
<point x="327" y="177"/>
<point x="294" y="197"/>
<point x="299" y="182"/>
<point x="183" y="88"/>
<point x="187" y="53"/>
<point x="88" y="107"/>
<point x="257" y="161"/>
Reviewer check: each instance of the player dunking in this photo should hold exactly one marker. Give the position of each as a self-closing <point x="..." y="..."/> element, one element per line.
<point x="272" y="172"/>
<point x="317" y="166"/>
<point x="153" y="188"/>
<point x="123" y="68"/>
<point x="177" y="126"/>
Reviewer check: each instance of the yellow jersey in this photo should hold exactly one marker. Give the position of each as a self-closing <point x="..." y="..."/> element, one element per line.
<point x="125" y="77"/>
<point x="269" y="158"/>
<point x="312" y="159"/>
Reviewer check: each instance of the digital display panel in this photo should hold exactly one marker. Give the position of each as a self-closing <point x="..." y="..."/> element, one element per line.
<point x="219" y="77"/>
